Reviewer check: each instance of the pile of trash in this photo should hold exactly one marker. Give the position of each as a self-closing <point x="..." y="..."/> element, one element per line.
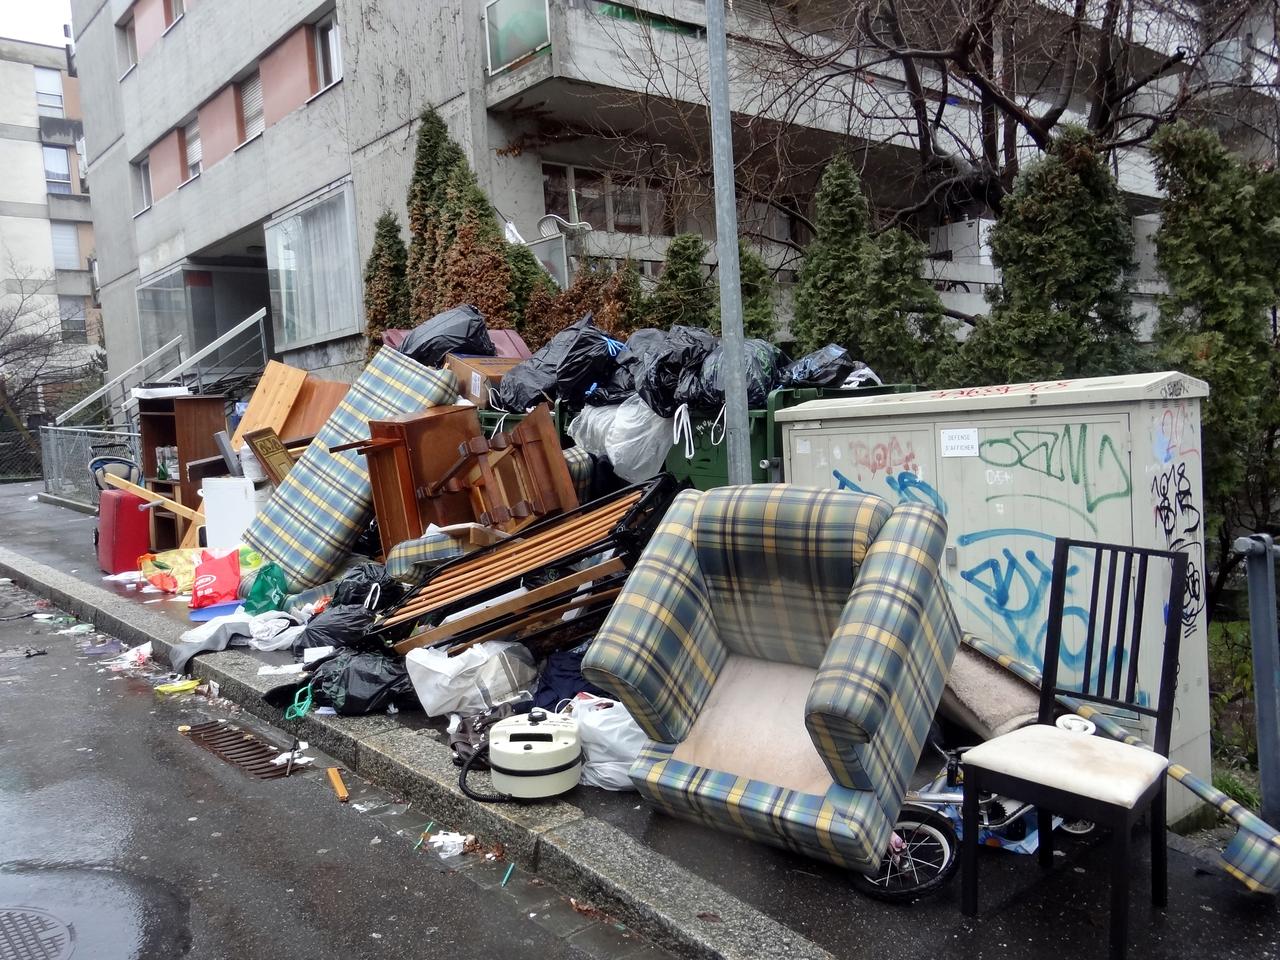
<point x="344" y="578"/>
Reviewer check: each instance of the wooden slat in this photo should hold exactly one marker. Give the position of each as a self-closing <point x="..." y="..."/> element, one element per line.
<point x="273" y="399"/>
<point x="536" y="595"/>
<point x="152" y="497"/>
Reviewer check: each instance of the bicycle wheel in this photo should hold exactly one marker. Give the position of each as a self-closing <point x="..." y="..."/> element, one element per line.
<point x="923" y="859"/>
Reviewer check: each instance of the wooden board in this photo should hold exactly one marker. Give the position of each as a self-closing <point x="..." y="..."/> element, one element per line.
<point x="273" y="399"/>
<point x="312" y="408"/>
<point x="152" y="497"/>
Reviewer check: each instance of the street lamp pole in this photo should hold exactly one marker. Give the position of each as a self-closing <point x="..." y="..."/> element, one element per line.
<point x="733" y="366"/>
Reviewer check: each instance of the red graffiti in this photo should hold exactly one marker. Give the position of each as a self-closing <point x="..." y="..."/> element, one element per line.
<point x="888" y="457"/>
<point x="1176" y="426"/>
<point x="1000" y="390"/>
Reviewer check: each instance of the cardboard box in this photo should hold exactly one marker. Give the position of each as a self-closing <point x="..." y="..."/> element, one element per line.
<point x="478" y="375"/>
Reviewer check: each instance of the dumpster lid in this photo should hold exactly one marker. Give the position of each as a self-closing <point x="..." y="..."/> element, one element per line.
<point x="1166" y="385"/>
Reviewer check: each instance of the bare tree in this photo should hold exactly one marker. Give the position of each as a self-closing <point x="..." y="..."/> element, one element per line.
<point x="34" y="356"/>
<point x="940" y="101"/>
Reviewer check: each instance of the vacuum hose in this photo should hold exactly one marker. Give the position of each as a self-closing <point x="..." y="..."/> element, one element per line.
<point x="480" y="754"/>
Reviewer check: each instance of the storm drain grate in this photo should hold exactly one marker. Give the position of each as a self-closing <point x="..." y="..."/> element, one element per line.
<point x="27" y="934"/>
<point x="238" y="748"/>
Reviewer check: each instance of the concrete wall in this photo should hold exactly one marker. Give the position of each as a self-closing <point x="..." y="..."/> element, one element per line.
<point x="26" y="245"/>
<point x="18" y="94"/>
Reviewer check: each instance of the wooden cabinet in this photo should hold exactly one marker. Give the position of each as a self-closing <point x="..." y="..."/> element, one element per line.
<point x="187" y="424"/>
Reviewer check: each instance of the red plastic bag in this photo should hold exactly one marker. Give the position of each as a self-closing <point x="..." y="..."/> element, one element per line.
<point x="217" y="578"/>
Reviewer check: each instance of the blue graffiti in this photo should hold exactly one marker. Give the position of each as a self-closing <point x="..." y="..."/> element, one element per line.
<point x="908" y="487"/>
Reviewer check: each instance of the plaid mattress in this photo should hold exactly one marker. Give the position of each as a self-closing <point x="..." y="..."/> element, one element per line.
<point x="581" y="466"/>
<point x="412" y="560"/>
<point x="845" y="827"/>
<point x="312" y="519"/>
<point x="878" y="687"/>
<point x="1252" y="856"/>
<point x="779" y="551"/>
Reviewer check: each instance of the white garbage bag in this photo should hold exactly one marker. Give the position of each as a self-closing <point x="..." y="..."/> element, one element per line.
<point x="611" y="740"/>
<point x="480" y="677"/>
<point x="638" y="441"/>
<point x="590" y="428"/>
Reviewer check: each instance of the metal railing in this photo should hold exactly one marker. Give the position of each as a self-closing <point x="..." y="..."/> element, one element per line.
<point x="66" y="452"/>
<point x="113" y="394"/>
<point x="18" y="459"/>
<point x="1261" y="554"/>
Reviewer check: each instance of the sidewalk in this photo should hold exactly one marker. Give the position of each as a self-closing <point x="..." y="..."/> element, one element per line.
<point x="696" y="891"/>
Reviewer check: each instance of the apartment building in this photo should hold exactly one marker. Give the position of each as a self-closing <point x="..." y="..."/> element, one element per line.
<point x="241" y="152"/>
<point x="47" y="246"/>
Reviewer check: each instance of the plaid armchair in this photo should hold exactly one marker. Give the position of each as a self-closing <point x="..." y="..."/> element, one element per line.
<point x="785" y="649"/>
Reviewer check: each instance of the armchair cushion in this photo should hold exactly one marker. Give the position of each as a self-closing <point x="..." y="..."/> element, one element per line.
<point x="879" y="684"/>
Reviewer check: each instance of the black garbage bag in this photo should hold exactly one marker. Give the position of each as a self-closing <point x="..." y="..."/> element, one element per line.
<point x="657" y="374"/>
<point x="358" y="683"/>
<point x="616" y="387"/>
<point x="337" y="625"/>
<point x="460" y="330"/>
<point x="358" y="584"/>
<point x="565" y="368"/>
<point x="827" y="367"/>
<point x="704" y="390"/>
<point x="641" y="342"/>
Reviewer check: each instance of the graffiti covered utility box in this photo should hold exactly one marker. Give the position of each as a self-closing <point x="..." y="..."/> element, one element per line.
<point x="1114" y="459"/>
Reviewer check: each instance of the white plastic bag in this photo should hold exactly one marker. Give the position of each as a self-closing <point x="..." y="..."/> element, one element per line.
<point x="611" y="740"/>
<point x="475" y="680"/>
<point x="590" y="428"/>
<point x="638" y="441"/>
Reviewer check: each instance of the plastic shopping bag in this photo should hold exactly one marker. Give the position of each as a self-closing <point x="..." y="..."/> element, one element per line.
<point x="638" y="441"/>
<point x="611" y="740"/>
<point x="590" y="428"/>
<point x="477" y="679"/>
<point x="217" y="578"/>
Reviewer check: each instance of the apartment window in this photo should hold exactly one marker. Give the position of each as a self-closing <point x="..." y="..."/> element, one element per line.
<point x="57" y="170"/>
<point x="71" y="315"/>
<point x="311" y="265"/>
<point x="251" y="117"/>
<point x="191" y="145"/>
<point x="142" y="183"/>
<point x="607" y="203"/>
<point x="328" y="52"/>
<point x="176" y="9"/>
<point x="49" y="92"/>
<point x="128" y="44"/>
<point x="66" y="246"/>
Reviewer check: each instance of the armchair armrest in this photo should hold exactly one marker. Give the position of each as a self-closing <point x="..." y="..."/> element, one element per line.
<point x="877" y="689"/>
<point x="658" y="651"/>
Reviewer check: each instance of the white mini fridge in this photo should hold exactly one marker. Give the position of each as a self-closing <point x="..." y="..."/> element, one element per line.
<point x="230" y="504"/>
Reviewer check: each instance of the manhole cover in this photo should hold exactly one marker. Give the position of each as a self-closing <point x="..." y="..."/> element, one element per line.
<point x="27" y="934"/>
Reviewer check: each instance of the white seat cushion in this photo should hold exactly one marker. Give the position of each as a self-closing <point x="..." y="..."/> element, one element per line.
<point x="1089" y="766"/>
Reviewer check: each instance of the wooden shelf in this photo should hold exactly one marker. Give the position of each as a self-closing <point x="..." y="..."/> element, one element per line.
<point x="158" y="413"/>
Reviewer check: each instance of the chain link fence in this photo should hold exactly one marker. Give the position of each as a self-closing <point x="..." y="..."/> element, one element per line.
<point x="19" y="457"/>
<point x="66" y="452"/>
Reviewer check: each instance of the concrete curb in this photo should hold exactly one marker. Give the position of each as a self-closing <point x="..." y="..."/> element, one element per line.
<point x="583" y="856"/>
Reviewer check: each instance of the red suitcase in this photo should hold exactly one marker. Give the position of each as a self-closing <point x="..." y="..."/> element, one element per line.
<point x="124" y="531"/>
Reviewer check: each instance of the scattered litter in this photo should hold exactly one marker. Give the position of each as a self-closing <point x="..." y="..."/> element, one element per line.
<point x="181" y="686"/>
<point x="180" y="598"/>
<point x="32" y="499"/>
<point x="42" y="616"/>
<point x="298" y="759"/>
<point x="78" y="628"/>
<point x="6" y="580"/>
<point x="128" y="576"/>
<point x="33" y="652"/>
<point x="281" y="670"/>
<point x="326" y="712"/>
<point x="586" y="909"/>
<point x="192" y="819"/>
<point x="375" y="841"/>
<point x="709" y="917"/>
<point x="312" y="654"/>
<point x="448" y="843"/>
<point x="136" y="657"/>
<point x="340" y="788"/>
<point x="507" y="876"/>
<point x="102" y="649"/>
<point x="215" y="689"/>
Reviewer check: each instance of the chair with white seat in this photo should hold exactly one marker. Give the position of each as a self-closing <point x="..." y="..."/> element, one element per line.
<point x="1076" y="775"/>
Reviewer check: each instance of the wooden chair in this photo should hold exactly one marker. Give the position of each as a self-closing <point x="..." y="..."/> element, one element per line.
<point x="1087" y="777"/>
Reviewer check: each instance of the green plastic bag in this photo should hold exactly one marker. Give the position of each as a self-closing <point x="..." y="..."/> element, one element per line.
<point x="268" y="591"/>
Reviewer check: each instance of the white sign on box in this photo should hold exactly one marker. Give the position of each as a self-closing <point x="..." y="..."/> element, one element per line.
<point x="959" y="443"/>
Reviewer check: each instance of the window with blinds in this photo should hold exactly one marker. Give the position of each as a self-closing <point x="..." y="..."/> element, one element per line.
<point x="251" y="106"/>
<point x="49" y="92"/>
<point x="66" y="246"/>
<point x="191" y="137"/>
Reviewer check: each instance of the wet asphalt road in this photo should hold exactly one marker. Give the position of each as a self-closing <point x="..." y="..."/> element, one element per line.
<point x="148" y="847"/>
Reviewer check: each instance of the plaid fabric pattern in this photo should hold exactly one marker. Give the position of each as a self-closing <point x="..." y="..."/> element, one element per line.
<point x="879" y="685"/>
<point x="761" y="547"/>
<point x="1252" y="856"/>
<point x="845" y="827"/>
<point x="658" y="649"/>
<point x="412" y="560"/>
<point x="313" y="518"/>
<point x="581" y="465"/>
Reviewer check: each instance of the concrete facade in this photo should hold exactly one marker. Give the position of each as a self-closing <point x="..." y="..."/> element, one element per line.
<point x="44" y="204"/>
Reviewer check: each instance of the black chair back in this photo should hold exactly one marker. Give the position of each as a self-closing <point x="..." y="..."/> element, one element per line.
<point x="1121" y="580"/>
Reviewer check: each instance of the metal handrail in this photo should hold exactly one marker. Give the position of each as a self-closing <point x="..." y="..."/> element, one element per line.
<point x="108" y="387"/>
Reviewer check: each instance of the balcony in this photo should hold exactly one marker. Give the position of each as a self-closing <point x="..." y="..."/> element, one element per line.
<point x="60" y="132"/>
<point x="73" y="283"/>
<point x="70" y="206"/>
